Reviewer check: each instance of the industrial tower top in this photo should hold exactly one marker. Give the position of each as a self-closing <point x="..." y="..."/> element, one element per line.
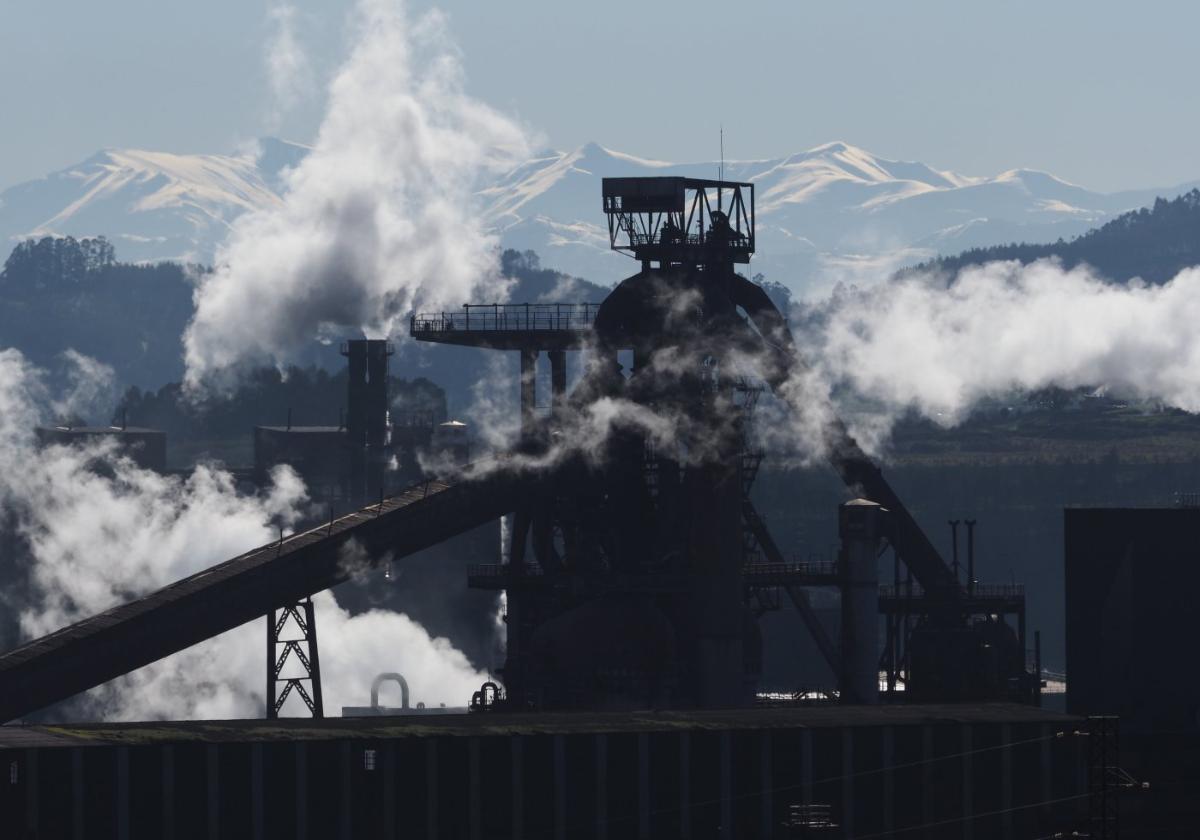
<point x="672" y="220"/>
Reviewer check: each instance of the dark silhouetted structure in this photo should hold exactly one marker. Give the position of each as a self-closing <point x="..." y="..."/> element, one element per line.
<point x="145" y="447"/>
<point x="637" y="571"/>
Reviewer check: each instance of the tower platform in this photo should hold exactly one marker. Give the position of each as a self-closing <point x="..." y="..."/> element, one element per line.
<point x="509" y="326"/>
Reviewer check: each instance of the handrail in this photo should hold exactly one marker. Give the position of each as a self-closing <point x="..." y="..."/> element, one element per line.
<point x="979" y="590"/>
<point x="818" y="568"/>
<point x="508" y="316"/>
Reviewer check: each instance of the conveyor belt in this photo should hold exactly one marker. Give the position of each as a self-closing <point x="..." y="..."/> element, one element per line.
<point x="232" y="593"/>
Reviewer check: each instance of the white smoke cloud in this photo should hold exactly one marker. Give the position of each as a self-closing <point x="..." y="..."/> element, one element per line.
<point x="380" y="218"/>
<point x="287" y="64"/>
<point x="922" y="344"/>
<point x="224" y="677"/>
<point x="100" y="531"/>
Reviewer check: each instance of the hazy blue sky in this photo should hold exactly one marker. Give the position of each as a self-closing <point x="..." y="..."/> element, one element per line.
<point x="1097" y="92"/>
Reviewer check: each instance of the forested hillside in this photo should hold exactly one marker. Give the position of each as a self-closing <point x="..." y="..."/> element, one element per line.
<point x="1153" y="243"/>
<point x="62" y="293"/>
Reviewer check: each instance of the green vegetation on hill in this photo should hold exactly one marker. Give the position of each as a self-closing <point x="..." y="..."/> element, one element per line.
<point x="62" y="293"/>
<point x="1154" y="244"/>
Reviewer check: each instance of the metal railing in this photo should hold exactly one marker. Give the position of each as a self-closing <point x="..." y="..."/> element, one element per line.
<point x="733" y="239"/>
<point x="813" y="569"/>
<point x="980" y="590"/>
<point x="508" y="316"/>
<point x="488" y="570"/>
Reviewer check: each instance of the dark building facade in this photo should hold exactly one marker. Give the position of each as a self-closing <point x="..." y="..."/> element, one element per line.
<point x="956" y="771"/>
<point x="1131" y="579"/>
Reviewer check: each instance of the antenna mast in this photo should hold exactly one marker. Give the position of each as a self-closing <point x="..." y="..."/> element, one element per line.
<point x="721" y="167"/>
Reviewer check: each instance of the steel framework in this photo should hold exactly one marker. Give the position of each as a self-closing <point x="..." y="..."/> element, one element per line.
<point x="280" y="650"/>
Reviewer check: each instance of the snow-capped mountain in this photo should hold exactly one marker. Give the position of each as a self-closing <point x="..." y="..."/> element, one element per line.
<point x="835" y="212"/>
<point x="151" y="205"/>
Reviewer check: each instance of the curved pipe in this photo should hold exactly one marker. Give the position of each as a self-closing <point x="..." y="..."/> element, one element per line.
<point x="393" y="677"/>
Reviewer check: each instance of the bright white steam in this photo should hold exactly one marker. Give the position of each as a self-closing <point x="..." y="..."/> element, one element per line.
<point x="921" y="344"/>
<point x="101" y="531"/>
<point x="380" y="218"/>
<point x="287" y="64"/>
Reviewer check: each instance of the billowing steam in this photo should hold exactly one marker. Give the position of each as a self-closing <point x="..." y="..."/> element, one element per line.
<point x="922" y="344"/>
<point x="287" y="65"/>
<point x="97" y="531"/>
<point x="380" y="218"/>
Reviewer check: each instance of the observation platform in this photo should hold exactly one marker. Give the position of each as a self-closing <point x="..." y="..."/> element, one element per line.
<point x="510" y="326"/>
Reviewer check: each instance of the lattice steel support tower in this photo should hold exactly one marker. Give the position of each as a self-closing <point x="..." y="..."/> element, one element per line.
<point x="304" y="620"/>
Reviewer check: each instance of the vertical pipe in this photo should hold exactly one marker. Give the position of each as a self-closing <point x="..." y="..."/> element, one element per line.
<point x="377" y="429"/>
<point x="806" y="767"/>
<point x="270" y="710"/>
<point x="314" y="658"/>
<point x="528" y="389"/>
<point x="970" y="523"/>
<point x="558" y="377"/>
<point x="1022" y="641"/>
<point x="954" y="547"/>
<point x="1037" y="665"/>
<point x="356" y="391"/>
<point x="860" y="526"/>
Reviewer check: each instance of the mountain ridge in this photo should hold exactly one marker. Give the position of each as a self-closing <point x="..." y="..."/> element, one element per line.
<point x="830" y="213"/>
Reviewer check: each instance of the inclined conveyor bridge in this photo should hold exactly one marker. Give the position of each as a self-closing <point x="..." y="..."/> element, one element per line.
<point x="225" y="596"/>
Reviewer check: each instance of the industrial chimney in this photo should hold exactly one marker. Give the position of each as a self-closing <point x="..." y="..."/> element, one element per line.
<point x="367" y="423"/>
<point x="861" y="527"/>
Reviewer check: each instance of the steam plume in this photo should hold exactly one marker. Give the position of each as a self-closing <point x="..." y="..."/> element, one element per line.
<point x="378" y="219"/>
<point x="98" y="531"/>
<point x="922" y="344"/>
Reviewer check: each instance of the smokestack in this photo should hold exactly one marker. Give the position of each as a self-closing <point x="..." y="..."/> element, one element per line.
<point x="367" y="391"/>
<point x="970" y="555"/>
<point x="861" y="526"/>
<point x="954" y="549"/>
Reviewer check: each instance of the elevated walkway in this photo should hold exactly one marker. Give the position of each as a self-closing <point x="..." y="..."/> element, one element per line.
<point x="509" y="326"/>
